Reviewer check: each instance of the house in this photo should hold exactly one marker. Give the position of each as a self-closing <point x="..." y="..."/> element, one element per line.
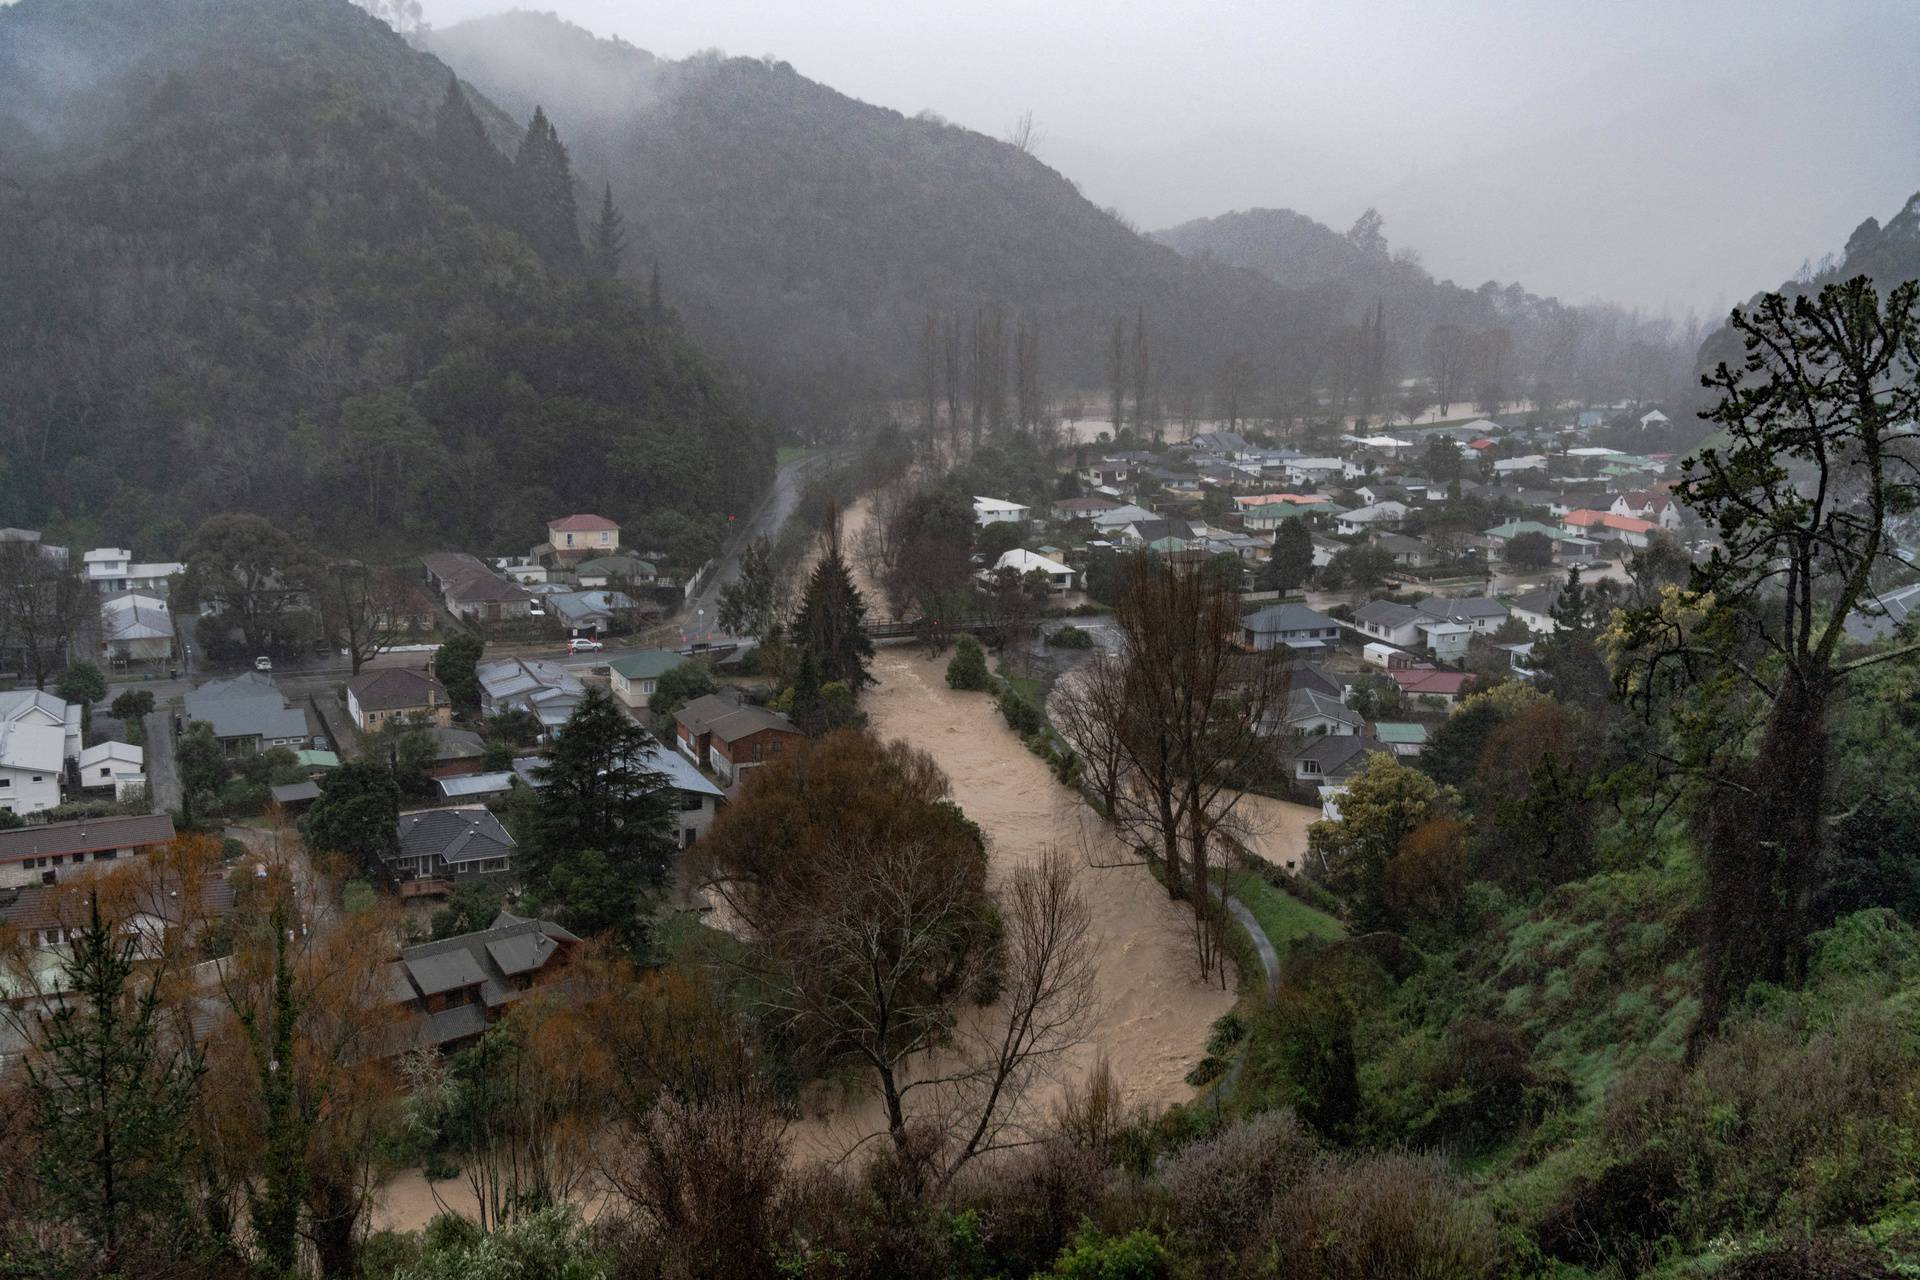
<point x="472" y="787"/>
<point x="295" y="796"/>
<point x="1328" y="758"/>
<point x="1429" y="682"/>
<point x="1445" y="640"/>
<point x="1647" y="504"/>
<point x="604" y="571"/>
<point x="247" y="714"/>
<point x="1067" y="510"/>
<point x="1396" y="624"/>
<point x="634" y="676"/>
<point x="580" y="537"/>
<point x="119" y="767"/>
<point x="1292" y="625"/>
<point x="400" y="605"/>
<point x="1325" y="549"/>
<point x="546" y="689"/>
<point x="32" y="764"/>
<point x="452" y="844"/>
<point x="1379" y="515"/>
<point x="1116" y="519"/>
<point x="699" y="798"/>
<point x="136" y="627"/>
<point x="37" y="706"/>
<point x="1513" y="466"/>
<point x="1310" y="711"/>
<point x="1317" y="471"/>
<point x="1881" y="616"/>
<point x="455" y="752"/>
<point x="1535" y="608"/>
<point x="487" y="597"/>
<point x="459" y="986"/>
<point x="719" y="734"/>
<point x="145" y="910"/>
<point x="1304" y="675"/>
<point x="1568" y="548"/>
<point x="1404" y="739"/>
<point x="112" y="569"/>
<point x="1227" y="444"/>
<point x="1151" y="533"/>
<point x="1060" y="578"/>
<point x="1266" y="517"/>
<point x="525" y="570"/>
<point x="590" y="613"/>
<point x="988" y="511"/>
<point x="40" y="854"/>
<point x="1481" y="613"/>
<point x="445" y="568"/>
<point x="1378" y="653"/>
<point x="1654" y="418"/>
<point x="1410" y="553"/>
<point x="1519" y="659"/>
<point x="1605" y="524"/>
<point x="376" y="697"/>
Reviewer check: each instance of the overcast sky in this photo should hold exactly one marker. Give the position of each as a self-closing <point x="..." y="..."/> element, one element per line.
<point x="1471" y="124"/>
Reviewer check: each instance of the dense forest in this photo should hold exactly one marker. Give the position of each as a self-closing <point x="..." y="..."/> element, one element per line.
<point x="812" y="234"/>
<point x="264" y="256"/>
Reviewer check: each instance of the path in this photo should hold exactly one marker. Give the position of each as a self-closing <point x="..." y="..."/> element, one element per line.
<point x="163" y="772"/>
<point x="699" y="616"/>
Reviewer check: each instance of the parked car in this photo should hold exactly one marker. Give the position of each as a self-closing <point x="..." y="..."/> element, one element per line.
<point x="584" y="644"/>
<point x="263" y="663"/>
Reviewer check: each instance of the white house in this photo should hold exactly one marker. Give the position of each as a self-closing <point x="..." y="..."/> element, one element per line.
<point x="37" y="706"/>
<point x="1645" y="504"/>
<point x="1446" y="640"/>
<point x="1526" y="462"/>
<point x="1060" y="578"/>
<point x="1536" y="610"/>
<point x="109" y="569"/>
<point x="1308" y="711"/>
<point x="1379" y="515"/>
<point x="1653" y="418"/>
<point x="31" y="761"/>
<point x="988" y="511"/>
<point x="1396" y="624"/>
<point x="1293" y="626"/>
<point x="1319" y="470"/>
<point x="1113" y="521"/>
<point x="136" y="627"/>
<point x="1480" y="613"/>
<point x="119" y="766"/>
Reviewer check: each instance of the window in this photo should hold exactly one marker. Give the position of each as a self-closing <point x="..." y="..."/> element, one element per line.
<point x="1309" y="766"/>
<point x="456" y="997"/>
<point x="38" y="778"/>
<point x="692" y="802"/>
<point x="106" y="771"/>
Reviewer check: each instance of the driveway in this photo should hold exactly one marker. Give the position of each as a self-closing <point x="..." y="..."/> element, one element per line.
<point x="163" y="774"/>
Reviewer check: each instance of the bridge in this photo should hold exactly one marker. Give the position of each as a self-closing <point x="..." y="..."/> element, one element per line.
<point x="915" y="628"/>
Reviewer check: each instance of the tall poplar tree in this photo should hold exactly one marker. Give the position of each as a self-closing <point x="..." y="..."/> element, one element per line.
<point x="608" y="242"/>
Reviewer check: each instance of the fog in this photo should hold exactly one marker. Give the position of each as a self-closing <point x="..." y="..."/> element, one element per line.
<point x="1667" y="156"/>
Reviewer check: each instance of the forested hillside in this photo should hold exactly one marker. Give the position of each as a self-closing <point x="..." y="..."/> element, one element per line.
<point x="812" y="234"/>
<point x="256" y="256"/>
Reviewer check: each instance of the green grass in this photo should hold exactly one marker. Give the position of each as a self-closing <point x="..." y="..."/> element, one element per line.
<point x="1283" y="916"/>
<point x="1027" y="687"/>
<point x="793" y="453"/>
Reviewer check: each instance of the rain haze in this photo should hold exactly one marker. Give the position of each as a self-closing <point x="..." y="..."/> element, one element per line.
<point x="1662" y="156"/>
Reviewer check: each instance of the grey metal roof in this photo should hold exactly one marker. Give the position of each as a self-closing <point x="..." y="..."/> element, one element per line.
<point x="1885" y="614"/>
<point x="454" y="835"/>
<point x="487" y="958"/>
<point x="443" y="971"/>
<point x="1386" y="613"/>
<point x="246" y="706"/>
<point x="1288" y="617"/>
<point x="1336" y="753"/>
<point x="1462" y="609"/>
<point x="85" y="836"/>
<point x="396" y="689"/>
<point x="476" y="784"/>
<point x="521" y="952"/>
<point x="1305" y="704"/>
<point x="296" y="792"/>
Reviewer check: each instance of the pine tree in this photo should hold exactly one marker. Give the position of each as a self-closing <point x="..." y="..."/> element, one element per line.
<point x="609" y="239"/>
<point x="832" y="618"/>
<point x="1291" y="562"/>
<point x="111" y="1102"/>
<point x="599" y="794"/>
<point x="807" y="707"/>
<point x="477" y="172"/>
<point x="544" y="180"/>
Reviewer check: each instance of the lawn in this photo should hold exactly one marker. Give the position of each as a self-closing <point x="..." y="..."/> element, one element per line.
<point x="1283" y="916"/>
<point x="793" y="453"/>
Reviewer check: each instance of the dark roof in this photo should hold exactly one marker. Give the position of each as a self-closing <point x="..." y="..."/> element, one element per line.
<point x="1336" y="753"/>
<point x="486" y="958"/>
<point x="1385" y="613"/>
<point x="85" y="836"/>
<point x="1304" y="704"/>
<point x="1541" y="601"/>
<point x="1450" y="609"/>
<point x="44" y="907"/>
<point x="479" y="588"/>
<point x="453" y="835"/>
<point x="296" y="793"/>
<point x="396" y="689"/>
<point x="1287" y="617"/>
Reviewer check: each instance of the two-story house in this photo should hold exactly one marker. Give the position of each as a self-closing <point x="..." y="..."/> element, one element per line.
<point x="581" y="537"/>
<point x="460" y="986"/>
<point x="452" y="844"/>
<point x="31" y="763"/>
<point x="719" y="734"/>
<point x="634" y="676"/>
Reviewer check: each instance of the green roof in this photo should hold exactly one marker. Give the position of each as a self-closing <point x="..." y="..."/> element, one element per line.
<point x="647" y="664"/>
<point x="1514" y="528"/>
<point x="318" y="760"/>
<point x="1403" y="733"/>
<point x="614" y="566"/>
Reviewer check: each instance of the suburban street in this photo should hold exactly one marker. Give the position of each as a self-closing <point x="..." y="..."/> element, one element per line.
<point x="698" y="620"/>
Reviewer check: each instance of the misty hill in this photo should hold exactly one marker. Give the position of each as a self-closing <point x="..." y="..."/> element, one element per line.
<point x="253" y="258"/>
<point x="812" y="233"/>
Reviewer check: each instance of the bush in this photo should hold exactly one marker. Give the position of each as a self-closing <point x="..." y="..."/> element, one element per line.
<point x="1814" y="1259"/>
<point x="1392" y="1217"/>
<point x="1220" y="1188"/>
<point x="1021" y="716"/>
<point x="1138" y="1255"/>
<point x="1227" y="1032"/>
<point x="1071" y="637"/>
<point x="1206" y="1071"/>
<point x="967" y="669"/>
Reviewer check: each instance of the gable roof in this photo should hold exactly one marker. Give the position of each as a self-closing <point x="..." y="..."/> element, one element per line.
<point x="487" y="958"/>
<point x="1287" y="617"/>
<point x="1404" y="733"/>
<point x="397" y="688"/>
<point x="1419" y="680"/>
<point x="615" y="566"/>
<point x="1540" y="601"/>
<point x="647" y="664"/>
<point x="1386" y="613"/>
<point x="728" y="720"/>
<point x="1307" y="704"/>
<point x="1462" y="609"/>
<point x="88" y="835"/>
<point x="247" y="706"/>
<point x="38" y="747"/>
<point x="454" y="835"/>
<point x="1337" y="754"/>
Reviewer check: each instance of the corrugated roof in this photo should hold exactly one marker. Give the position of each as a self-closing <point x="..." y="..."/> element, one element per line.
<point x="582" y="522"/>
<point x="444" y="971"/>
<point x="85" y="836"/>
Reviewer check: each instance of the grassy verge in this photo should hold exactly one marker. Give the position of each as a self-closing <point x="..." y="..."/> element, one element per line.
<point x="1282" y="916"/>
<point x="793" y="453"/>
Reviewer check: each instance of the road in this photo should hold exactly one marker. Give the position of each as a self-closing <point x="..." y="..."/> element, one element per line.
<point x="699" y="618"/>
<point x="163" y="775"/>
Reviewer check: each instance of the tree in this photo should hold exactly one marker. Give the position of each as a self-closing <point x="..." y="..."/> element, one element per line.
<point x="132" y="705"/>
<point x="600" y="794"/>
<point x="42" y="600"/>
<point x="1291" y="562"/>
<point x="1356" y="568"/>
<point x="1117" y="371"/>
<point x="82" y="683"/>
<point x="1442" y="459"/>
<point x="998" y="538"/>
<point x="832" y="616"/>
<point x="864" y="889"/>
<point x="967" y="669"/>
<point x="1449" y="352"/>
<point x="544" y="178"/>
<point x="750" y="604"/>
<point x="251" y="572"/>
<point x="1819" y="424"/>
<point x="607" y="243"/>
<point x="1143" y="411"/>
<point x="471" y="906"/>
<point x="111" y="1090"/>
<point x="1530" y="550"/>
<point x="1383" y="804"/>
<point x="453" y="665"/>
<point x="480" y="176"/>
<point x="407" y="749"/>
<point x="357" y="813"/>
<point x="364" y="608"/>
<point x="202" y="764"/>
<point x="681" y="685"/>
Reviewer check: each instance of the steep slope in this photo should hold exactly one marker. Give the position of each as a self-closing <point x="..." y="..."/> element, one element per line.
<point x="252" y="257"/>
<point x="813" y="233"/>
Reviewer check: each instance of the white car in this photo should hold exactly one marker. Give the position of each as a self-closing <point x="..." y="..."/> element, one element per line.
<point x="584" y="644"/>
<point x="263" y="663"/>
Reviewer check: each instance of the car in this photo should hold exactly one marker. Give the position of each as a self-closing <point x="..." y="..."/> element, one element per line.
<point x="584" y="644"/>
<point x="263" y="663"/>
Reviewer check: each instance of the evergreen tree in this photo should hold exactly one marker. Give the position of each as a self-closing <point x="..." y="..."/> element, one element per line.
<point x="454" y="666"/>
<point x="544" y="180"/>
<point x="655" y="307"/>
<point x="111" y="1103"/>
<point x="832" y="618"/>
<point x="1291" y="562"/>
<point x="476" y="170"/>
<point x="609" y="238"/>
<point x="599" y="794"/>
<point x="275" y="1204"/>
<point x="358" y="813"/>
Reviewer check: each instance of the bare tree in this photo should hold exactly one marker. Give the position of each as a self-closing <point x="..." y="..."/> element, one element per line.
<point x="365" y="608"/>
<point x="1117" y="376"/>
<point x="1448" y="350"/>
<point x="1025" y="135"/>
<point x="42" y="600"/>
<point x="930" y="357"/>
<point x="951" y="369"/>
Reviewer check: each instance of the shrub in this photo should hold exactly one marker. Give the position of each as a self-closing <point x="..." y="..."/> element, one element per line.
<point x="1026" y="1207"/>
<point x="1138" y="1255"/>
<point x="1391" y="1217"/>
<point x="1021" y="716"/>
<point x="1813" y="1259"/>
<point x="967" y="669"/>
<point x="1206" y="1071"/>
<point x="1220" y="1188"/>
<point x="1071" y="637"/>
<point x="1227" y="1032"/>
